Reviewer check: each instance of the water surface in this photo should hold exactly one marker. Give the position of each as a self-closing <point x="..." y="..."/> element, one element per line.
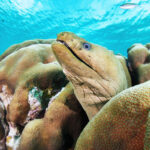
<point x="99" y="21"/>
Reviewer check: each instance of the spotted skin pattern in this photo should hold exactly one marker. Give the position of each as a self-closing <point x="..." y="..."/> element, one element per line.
<point x="122" y="124"/>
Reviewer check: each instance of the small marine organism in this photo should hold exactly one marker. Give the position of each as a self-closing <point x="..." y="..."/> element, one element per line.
<point x="128" y="5"/>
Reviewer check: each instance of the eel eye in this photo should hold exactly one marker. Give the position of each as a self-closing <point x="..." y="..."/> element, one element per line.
<point x="87" y="46"/>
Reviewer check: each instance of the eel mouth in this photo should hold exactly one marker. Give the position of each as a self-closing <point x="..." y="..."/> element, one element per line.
<point x="64" y="43"/>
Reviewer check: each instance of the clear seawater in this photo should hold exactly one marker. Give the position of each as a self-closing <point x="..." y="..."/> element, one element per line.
<point x="99" y="21"/>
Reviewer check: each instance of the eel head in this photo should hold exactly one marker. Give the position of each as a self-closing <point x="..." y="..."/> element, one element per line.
<point x="95" y="72"/>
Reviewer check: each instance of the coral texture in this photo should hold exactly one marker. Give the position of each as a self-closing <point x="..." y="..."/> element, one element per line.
<point x="3" y="127"/>
<point x="121" y="124"/>
<point x="139" y="62"/>
<point x="21" y="70"/>
<point x="60" y="127"/>
<point x="24" y="67"/>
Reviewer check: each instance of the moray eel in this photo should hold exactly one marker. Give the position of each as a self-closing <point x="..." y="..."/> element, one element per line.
<point x="95" y="72"/>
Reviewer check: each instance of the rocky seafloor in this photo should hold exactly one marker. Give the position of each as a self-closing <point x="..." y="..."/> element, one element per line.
<point x="37" y="102"/>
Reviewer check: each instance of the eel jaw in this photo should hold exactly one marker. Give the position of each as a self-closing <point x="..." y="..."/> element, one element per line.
<point x="65" y="44"/>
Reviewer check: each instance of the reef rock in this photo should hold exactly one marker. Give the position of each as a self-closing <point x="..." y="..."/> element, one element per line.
<point x="139" y="63"/>
<point x="60" y="127"/>
<point x="29" y="77"/>
<point x="3" y="127"/>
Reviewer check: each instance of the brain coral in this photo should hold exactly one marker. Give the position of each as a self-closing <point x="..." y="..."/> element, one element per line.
<point x="17" y="47"/>
<point x="139" y="62"/>
<point x="28" y="71"/>
<point x="24" y="67"/>
<point x="3" y="127"/>
<point x="60" y="127"/>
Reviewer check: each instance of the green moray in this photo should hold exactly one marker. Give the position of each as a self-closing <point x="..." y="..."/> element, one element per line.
<point x="95" y="72"/>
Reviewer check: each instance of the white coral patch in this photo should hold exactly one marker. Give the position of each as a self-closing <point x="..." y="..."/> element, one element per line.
<point x="35" y="106"/>
<point x="5" y="95"/>
<point x="13" y="136"/>
<point x="2" y="117"/>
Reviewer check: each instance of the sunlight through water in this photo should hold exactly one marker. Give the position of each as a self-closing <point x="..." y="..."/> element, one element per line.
<point x="101" y="22"/>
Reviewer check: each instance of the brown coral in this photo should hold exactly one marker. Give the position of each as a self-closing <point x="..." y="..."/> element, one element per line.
<point x="139" y="63"/>
<point x="17" y="47"/>
<point x="24" y="68"/>
<point x="122" y="124"/>
<point x="33" y="66"/>
<point x="60" y="127"/>
<point x="3" y="128"/>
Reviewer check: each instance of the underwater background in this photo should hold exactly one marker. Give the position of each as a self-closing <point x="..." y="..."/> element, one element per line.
<point x="99" y="21"/>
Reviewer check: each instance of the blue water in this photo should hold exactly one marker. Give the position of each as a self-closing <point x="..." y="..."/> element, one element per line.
<point x="99" y="21"/>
